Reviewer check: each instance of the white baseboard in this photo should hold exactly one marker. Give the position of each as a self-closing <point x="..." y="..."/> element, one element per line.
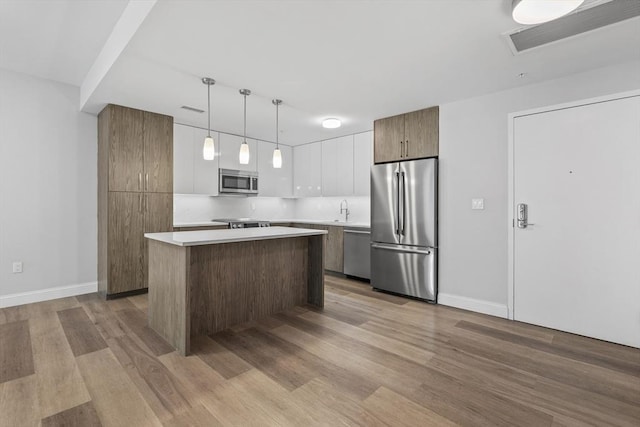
<point x="47" y="294"/>
<point x="472" y="304"/>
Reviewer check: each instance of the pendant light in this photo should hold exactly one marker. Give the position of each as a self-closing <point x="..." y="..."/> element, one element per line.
<point x="531" y="12"/>
<point x="277" y="154"/>
<point x="244" y="148"/>
<point x="208" y="149"/>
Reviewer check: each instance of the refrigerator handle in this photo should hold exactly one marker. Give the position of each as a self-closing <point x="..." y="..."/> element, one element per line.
<point x="397" y="218"/>
<point x="404" y="202"/>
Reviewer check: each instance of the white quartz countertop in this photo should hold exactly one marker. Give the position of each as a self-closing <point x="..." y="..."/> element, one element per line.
<point x="214" y="237"/>
<point x="279" y="221"/>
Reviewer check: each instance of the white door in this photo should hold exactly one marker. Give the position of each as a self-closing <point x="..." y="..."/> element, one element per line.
<point x="577" y="266"/>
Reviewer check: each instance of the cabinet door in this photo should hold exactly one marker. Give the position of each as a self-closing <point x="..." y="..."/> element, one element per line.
<point x="125" y="149"/>
<point x="362" y="161"/>
<point x="158" y="153"/>
<point x="230" y="151"/>
<point x="183" y="156"/>
<point x="307" y="170"/>
<point x="334" y="256"/>
<point x="388" y="136"/>
<point x="126" y="256"/>
<point x="421" y="131"/>
<point x="337" y="166"/>
<point x="158" y="217"/>
<point x="274" y="182"/>
<point x="205" y="172"/>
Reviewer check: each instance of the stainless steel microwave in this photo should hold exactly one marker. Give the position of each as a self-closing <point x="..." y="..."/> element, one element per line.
<point x="233" y="181"/>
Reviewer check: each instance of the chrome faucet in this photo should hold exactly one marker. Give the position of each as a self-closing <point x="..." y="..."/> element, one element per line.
<point x="345" y="209"/>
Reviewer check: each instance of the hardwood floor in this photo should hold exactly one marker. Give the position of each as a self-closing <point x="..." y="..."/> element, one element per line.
<point x="366" y="359"/>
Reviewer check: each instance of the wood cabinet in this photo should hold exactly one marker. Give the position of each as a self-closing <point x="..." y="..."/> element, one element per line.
<point x="334" y="245"/>
<point x="307" y="170"/>
<point x="337" y="166"/>
<point x="407" y="136"/>
<point x="135" y="193"/>
<point x="274" y="182"/>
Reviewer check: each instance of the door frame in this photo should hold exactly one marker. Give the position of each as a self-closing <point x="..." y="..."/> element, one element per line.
<point x="511" y="178"/>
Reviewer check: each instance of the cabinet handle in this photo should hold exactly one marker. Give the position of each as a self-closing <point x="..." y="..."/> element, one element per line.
<point x="401" y="148"/>
<point x="406" y="146"/>
<point x="146" y="182"/>
<point x="140" y="181"/>
<point x="140" y="203"/>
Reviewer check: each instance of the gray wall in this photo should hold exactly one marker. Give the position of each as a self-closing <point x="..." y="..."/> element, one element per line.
<point x="473" y="163"/>
<point x="48" y="186"/>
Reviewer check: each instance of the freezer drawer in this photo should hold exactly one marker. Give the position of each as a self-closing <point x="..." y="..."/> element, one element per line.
<point x="405" y="270"/>
<point x="357" y="253"/>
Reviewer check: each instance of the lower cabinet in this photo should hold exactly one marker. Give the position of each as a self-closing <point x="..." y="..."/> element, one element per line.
<point x="130" y="215"/>
<point x="334" y="245"/>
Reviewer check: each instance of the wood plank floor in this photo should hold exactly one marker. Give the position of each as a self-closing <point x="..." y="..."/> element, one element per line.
<point x="366" y="359"/>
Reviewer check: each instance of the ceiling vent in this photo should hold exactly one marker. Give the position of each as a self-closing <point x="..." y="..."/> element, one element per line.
<point x="193" y="109"/>
<point x="591" y="16"/>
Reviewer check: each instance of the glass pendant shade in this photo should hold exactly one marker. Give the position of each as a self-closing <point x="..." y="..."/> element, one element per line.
<point x="277" y="158"/>
<point x="208" y="149"/>
<point x="243" y="157"/>
<point x="530" y="12"/>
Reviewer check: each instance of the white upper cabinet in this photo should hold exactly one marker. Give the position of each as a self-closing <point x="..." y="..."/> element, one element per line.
<point x="362" y="161"/>
<point x="191" y="173"/>
<point x="274" y="182"/>
<point x="307" y="171"/>
<point x="230" y="151"/>
<point x="205" y="172"/>
<point x="337" y="166"/>
<point x="182" y="159"/>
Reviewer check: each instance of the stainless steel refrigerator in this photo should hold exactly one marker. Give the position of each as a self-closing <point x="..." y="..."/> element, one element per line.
<point x="404" y="228"/>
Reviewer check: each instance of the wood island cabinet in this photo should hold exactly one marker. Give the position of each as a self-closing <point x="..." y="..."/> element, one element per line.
<point x="334" y="245"/>
<point x="407" y="136"/>
<point x="135" y="193"/>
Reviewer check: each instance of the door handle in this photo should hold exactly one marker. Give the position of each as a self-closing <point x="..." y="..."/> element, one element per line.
<point x="522" y="215"/>
<point x="397" y="204"/>
<point x="404" y="202"/>
<point x="400" y="249"/>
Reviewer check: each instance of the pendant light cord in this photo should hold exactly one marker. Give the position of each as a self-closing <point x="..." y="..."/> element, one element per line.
<point x="277" y="126"/>
<point x="209" y="108"/>
<point x="245" y="118"/>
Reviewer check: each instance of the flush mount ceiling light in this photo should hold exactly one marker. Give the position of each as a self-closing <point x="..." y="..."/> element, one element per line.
<point x="208" y="149"/>
<point x="277" y="155"/>
<point x="331" y="123"/>
<point x="243" y="157"/>
<point x="530" y="12"/>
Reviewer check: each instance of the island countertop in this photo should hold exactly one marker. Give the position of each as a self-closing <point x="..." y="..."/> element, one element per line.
<point x="213" y="237"/>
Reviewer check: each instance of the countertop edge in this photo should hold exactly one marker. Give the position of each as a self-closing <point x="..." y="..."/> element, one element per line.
<point x="165" y="237"/>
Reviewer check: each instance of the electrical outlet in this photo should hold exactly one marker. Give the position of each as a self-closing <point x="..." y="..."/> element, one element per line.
<point x="17" y="267"/>
<point x="477" y="204"/>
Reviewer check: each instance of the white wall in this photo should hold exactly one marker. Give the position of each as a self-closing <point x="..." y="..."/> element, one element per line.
<point x="473" y="163"/>
<point x="48" y="187"/>
<point x="328" y="208"/>
<point x="198" y="208"/>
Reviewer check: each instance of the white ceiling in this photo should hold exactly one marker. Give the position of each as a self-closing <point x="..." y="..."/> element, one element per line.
<point x="352" y="59"/>
<point x="55" y="39"/>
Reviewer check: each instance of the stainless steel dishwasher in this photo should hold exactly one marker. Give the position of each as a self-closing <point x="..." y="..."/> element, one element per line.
<point x="357" y="252"/>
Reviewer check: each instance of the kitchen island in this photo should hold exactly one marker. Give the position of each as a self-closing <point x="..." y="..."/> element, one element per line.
<point x="202" y="282"/>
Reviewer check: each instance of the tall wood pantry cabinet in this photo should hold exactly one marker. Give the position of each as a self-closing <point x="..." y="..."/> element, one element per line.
<point x="135" y="194"/>
<point x="407" y="136"/>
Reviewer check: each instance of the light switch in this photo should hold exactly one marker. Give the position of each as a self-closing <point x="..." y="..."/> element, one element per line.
<point x="477" y="204"/>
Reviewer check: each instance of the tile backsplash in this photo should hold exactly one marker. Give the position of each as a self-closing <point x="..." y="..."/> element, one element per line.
<point x="196" y="208"/>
